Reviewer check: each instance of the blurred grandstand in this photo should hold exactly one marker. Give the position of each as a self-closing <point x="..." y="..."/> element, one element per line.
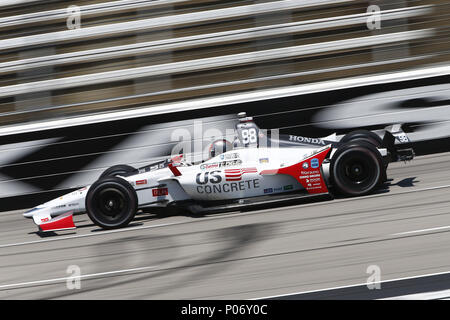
<point x="67" y="58"/>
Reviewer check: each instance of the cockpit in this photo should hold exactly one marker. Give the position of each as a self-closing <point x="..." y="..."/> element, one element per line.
<point x="247" y="134"/>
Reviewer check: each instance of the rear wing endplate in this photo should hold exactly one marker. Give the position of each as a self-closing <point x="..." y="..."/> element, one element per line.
<point x="397" y="142"/>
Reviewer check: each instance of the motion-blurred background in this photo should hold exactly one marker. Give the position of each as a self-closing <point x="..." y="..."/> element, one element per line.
<point x="88" y="84"/>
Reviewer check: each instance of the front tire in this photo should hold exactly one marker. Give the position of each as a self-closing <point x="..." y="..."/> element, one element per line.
<point x="118" y="170"/>
<point x="111" y="203"/>
<point x="357" y="169"/>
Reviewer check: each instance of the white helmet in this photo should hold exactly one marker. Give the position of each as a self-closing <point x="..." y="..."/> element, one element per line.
<point x="218" y="147"/>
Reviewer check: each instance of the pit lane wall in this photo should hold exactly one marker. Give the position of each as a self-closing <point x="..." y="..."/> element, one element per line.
<point x="42" y="160"/>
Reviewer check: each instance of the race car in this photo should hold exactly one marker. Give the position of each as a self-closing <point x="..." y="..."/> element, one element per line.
<point x="256" y="167"/>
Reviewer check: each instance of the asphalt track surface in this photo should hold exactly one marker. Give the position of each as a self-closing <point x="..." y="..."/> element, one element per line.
<point x="280" y="251"/>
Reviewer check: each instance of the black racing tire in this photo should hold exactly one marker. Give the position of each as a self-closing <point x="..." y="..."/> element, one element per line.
<point x="356" y="168"/>
<point x="363" y="135"/>
<point x="118" y="170"/>
<point x="111" y="203"/>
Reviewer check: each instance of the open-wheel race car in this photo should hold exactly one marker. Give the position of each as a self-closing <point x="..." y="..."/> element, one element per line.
<point x="254" y="168"/>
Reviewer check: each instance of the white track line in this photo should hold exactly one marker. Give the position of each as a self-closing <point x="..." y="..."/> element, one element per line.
<point x="105" y="232"/>
<point x="421" y="231"/>
<point x="352" y="285"/>
<point x="56" y="280"/>
<point x="423" y="296"/>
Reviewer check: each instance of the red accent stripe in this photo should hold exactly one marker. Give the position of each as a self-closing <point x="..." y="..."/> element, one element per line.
<point x="62" y="222"/>
<point x="236" y="174"/>
<point x="311" y="178"/>
<point x="271" y="171"/>
<point x="174" y="170"/>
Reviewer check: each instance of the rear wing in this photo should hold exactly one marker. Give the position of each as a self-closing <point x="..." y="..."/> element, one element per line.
<point x="397" y="142"/>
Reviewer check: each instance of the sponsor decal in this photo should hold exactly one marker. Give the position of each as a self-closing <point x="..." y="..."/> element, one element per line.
<point x="314" y="163"/>
<point x="268" y="190"/>
<point x="312" y="179"/>
<point x="229" y="187"/>
<point x="228" y="156"/>
<point x="305" y="165"/>
<point x="222" y="164"/>
<point x="236" y="174"/>
<point x="277" y="189"/>
<point x="154" y="166"/>
<point x="309" y="174"/>
<point x="306" y="140"/>
<point x="288" y="187"/>
<point x="141" y="182"/>
<point x="264" y="160"/>
<point x="304" y="176"/>
<point x="160" y="192"/>
<point x="205" y="177"/>
<point x="45" y="219"/>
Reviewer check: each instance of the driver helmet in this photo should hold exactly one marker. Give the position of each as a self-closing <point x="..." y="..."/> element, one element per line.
<point x="218" y="147"/>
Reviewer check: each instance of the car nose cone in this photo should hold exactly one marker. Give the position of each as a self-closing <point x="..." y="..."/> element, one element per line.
<point x="31" y="212"/>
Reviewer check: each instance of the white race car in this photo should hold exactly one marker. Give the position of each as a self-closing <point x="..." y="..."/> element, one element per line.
<point x="255" y="168"/>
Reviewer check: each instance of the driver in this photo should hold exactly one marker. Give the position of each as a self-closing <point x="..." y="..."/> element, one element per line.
<point x="218" y="147"/>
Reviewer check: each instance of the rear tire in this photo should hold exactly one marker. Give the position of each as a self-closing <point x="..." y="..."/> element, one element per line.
<point x="363" y="135"/>
<point x="370" y="137"/>
<point x="111" y="203"/>
<point x="118" y="170"/>
<point x="357" y="168"/>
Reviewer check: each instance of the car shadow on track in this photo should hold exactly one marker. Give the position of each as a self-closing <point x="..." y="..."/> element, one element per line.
<point x="49" y="234"/>
<point x="387" y="185"/>
<point x="162" y="213"/>
<point x="404" y="183"/>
